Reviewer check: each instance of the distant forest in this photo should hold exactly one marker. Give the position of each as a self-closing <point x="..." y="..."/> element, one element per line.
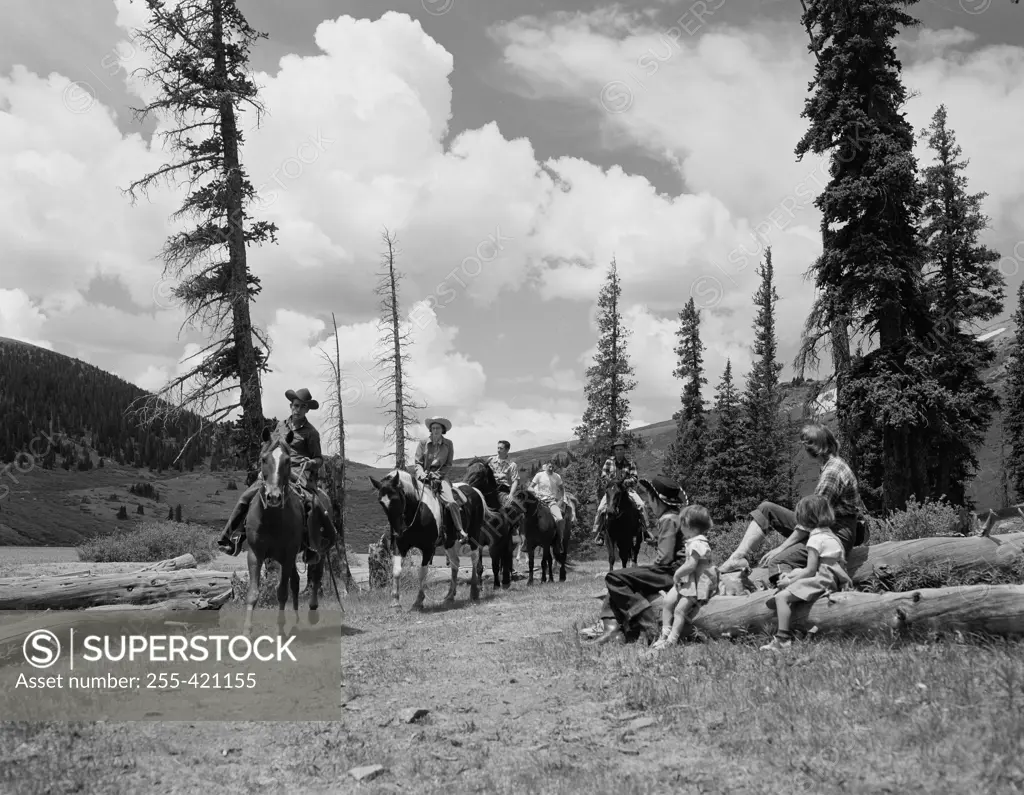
<point x="67" y="413"/>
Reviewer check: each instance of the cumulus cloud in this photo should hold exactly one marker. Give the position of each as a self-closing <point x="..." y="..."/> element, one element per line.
<point x="480" y="222"/>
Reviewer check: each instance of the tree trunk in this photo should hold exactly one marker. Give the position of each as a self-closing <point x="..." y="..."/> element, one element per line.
<point x="248" y="366"/>
<point x="995" y="609"/>
<point x="339" y="473"/>
<point x="186" y="561"/>
<point x="954" y="554"/>
<point x="70" y="591"/>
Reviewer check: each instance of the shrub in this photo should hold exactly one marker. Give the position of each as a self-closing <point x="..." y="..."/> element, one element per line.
<point x="920" y="520"/>
<point x="149" y="543"/>
<point x="231" y="486"/>
<point x="144" y="490"/>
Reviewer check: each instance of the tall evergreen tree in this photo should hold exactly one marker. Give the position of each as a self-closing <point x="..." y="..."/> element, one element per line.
<point x="869" y="275"/>
<point x="200" y="51"/>
<point x="764" y="428"/>
<point x="687" y="454"/>
<point x="727" y="453"/>
<point x="965" y="289"/>
<point x="609" y="378"/>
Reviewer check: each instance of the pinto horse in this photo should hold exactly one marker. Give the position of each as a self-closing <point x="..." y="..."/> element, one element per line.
<point x="273" y="527"/>
<point x="499" y="521"/>
<point x="415" y="517"/>
<point x="622" y="523"/>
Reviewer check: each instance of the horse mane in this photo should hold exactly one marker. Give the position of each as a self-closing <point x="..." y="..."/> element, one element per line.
<point x="484" y="468"/>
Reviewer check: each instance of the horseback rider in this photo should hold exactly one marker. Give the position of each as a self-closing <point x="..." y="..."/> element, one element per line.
<point x="547" y="485"/>
<point x="306" y="459"/>
<point x="506" y="471"/>
<point x="615" y="468"/>
<point x="434" y="457"/>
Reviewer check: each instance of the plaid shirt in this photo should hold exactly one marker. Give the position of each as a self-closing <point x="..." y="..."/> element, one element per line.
<point x="505" y="472"/>
<point x="838" y="484"/>
<point x="627" y="470"/>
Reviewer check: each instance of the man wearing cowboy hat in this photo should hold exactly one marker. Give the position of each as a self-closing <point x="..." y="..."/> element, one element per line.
<point x="619" y="467"/>
<point x="434" y="457"/>
<point x="306" y="459"/>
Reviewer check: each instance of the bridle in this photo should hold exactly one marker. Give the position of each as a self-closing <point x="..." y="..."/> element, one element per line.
<point x="285" y="489"/>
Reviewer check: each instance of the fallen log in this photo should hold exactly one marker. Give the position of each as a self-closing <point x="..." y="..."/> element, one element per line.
<point x="186" y="561"/>
<point x="955" y="554"/>
<point x="70" y="591"/>
<point x="12" y="635"/>
<point x="994" y="609"/>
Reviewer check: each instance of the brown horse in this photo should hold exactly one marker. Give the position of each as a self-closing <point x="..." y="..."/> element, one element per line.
<point x="541" y="530"/>
<point x="500" y="521"/>
<point x="273" y="527"/>
<point x="622" y="525"/>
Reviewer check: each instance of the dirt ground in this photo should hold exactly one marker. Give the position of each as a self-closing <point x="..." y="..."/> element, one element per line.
<point x="515" y="703"/>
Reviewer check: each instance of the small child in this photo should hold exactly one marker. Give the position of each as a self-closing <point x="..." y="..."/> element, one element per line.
<point x="824" y="573"/>
<point x="694" y="582"/>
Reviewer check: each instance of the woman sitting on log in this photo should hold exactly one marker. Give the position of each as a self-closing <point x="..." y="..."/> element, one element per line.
<point x="629" y="590"/>
<point x="837" y="484"/>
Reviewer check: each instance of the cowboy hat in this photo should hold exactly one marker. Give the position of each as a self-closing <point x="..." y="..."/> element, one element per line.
<point x="619" y="441"/>
<point x="668" y="492"/>
<point x="446" y="425"/>
<point x="303" y="396"/>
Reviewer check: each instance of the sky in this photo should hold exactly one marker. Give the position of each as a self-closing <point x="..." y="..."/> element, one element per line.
<point x="512" y="153"/>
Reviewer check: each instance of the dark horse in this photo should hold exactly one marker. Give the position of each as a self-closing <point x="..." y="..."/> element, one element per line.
<point x="622" y="523"/>
<point x="499" y="522"/>
<point x="541" y="530"/>
<point x="273" y="527"/>
<point x="415" y="515"/>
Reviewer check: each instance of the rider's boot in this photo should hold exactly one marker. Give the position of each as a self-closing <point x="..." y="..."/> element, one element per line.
<point x="231" y="541"/>
<point x="456" y="513"/>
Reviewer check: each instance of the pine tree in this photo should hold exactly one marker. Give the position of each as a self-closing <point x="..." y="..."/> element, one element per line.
<point x="177" y="513"/>
<point x="608" y="381"/>
<point x="965" y="289"/>
<point x="869" y="275"/>
<point x="764" y="428"/>
<point x="727" y="466"/>
<point x="200" y="50"/>
<point x="686" y="457"/>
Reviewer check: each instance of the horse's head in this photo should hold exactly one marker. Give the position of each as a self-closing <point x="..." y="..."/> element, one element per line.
<point x="392" y="498"/>
<point x="614" y="492"/>
<point x="276" y="468"/>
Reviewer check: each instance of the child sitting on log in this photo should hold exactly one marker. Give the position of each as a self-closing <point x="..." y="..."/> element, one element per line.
<point x="824" y="573"/>
<point x="695" y="581"/>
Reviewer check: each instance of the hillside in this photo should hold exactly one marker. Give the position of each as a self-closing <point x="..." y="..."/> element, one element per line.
<point x="57" y="506"/>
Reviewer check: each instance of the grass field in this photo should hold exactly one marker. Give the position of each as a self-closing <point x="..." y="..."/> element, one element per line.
<point x="517" y="704"/>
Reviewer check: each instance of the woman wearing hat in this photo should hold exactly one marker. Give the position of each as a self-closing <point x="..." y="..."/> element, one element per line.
<point x="434" y="457"/>
<point x="629" y="590"/>
<point x="306" y="460"/>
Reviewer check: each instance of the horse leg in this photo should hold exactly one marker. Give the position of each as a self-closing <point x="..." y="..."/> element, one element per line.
<point x="453" y="562"/>
<point x="545" y="562"/>
<point x="611" y="552"/>
<point x="563" y="553"/>
<point x="421" y="593"/>
<point x="252" y="594"/>
<point x="294" y="581"/>
<point x="476" y="568"/>
<point x="529" y="553"/>
<point x="315" y="575"/>
<point x="396" y="575"/>
<point x="506" y="565"/>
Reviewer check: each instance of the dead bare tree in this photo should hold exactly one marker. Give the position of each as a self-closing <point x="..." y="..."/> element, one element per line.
<point x="335" y="428"/>
<point x="200" y="51"/>
<point x="393" y="386"/>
